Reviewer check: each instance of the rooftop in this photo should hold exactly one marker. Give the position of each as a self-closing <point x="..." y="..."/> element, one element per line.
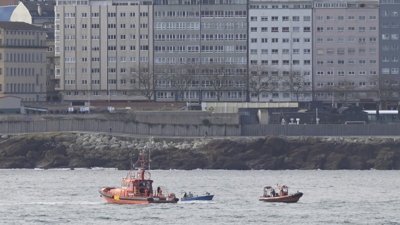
<point x="18" y="26"/>
<point x="47" y="8"/>
<point x="6" y="11"/>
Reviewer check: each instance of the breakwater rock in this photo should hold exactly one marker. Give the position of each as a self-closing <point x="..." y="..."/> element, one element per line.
<point x="72" y="150"/>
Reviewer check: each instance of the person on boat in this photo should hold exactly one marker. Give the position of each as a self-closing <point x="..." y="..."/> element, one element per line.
<point x="185" y="195"/>
<point x="159" y="191"/>
<point x="273" y="192"/>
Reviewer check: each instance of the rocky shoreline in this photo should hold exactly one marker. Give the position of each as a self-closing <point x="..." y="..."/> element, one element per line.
<point x="83" y="150"/>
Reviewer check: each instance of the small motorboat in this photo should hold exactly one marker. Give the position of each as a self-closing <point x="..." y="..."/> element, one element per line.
<point x="191" y="197"/>
<point x="271" y="196"/>
<point x="137" y="188"/>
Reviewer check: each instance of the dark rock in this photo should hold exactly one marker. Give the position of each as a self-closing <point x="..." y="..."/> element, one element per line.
<point x="385" y="159"/>
<point x="66" y="150"/>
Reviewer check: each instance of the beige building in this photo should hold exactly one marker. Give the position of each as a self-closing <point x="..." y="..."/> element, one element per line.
<point x="103" y="50"/>
<point x="22" y="61"/>
<point x="41" y="14"/>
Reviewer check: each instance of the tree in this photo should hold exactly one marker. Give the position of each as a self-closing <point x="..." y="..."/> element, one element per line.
<point x="296" y="83"/>
<point x="60" y="96"/>
<point x="146" y="82"/>
<point x="218" y="77"/>
<point x="261" y="79"/>
<point x="387" y="89"/>
<point x="344" y="91"/>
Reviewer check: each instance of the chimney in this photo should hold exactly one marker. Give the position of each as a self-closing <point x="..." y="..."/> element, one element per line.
<point x="39" y="9"/>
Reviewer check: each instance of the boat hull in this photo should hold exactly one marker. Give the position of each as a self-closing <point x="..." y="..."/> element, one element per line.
<point x="199" y="198"/>
<point x="293" y="198"/>
<point x="114" y="199"/>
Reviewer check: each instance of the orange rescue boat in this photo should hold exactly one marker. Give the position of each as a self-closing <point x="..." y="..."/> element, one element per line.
<point x="271" y="196"/>
<point x="137" y="188"/>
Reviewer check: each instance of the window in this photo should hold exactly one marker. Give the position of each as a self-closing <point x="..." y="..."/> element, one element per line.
<point x="274" y="29"/>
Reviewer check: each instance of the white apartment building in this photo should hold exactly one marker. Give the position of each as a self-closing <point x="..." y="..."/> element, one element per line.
<point x="280" y="49"/>
<point x="102" y="48"/>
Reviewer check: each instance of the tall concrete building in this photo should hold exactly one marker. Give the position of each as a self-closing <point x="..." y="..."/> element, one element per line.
<point x="280" y="50"/>
<point x="346" y="51"/>
<point x="200" y="50"/>
<point x="104" y="50"/>
<point x="22" y="61"/>
<point x="389" y="52"/>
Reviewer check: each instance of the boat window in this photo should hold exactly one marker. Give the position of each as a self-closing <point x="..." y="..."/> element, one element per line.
<point x="142" y="184"/>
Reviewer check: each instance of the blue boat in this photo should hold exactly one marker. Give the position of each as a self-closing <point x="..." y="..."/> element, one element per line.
<point x="191" y="197"/>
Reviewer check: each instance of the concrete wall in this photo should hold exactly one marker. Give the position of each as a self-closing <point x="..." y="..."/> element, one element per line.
<point x="198" y="130"/>
<point x="118" y="127"/>
<point x="322" y="130"/>
<point x="187" y="117"/>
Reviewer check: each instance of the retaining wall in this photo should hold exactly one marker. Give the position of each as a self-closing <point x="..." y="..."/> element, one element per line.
<point x="199" y="130"/>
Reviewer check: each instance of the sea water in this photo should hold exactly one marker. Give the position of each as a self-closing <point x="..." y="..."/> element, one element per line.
<point x="330" y="197"/>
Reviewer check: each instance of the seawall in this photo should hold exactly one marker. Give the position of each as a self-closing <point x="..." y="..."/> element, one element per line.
<point x="71" y="150"/>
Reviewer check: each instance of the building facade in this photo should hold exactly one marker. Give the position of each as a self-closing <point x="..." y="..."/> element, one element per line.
<point x="200" y="50"/>
<point x="41" y="14"/>
<point x="346" y="51"/>
<point x="389" y="52"/>
<point x="104" y="50"/>
<point x="22" y="61"/>
<point x="280" y="50"/>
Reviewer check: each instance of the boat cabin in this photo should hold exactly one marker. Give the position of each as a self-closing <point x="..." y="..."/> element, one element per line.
<point x="270" y="191"/>
<point x="139" y="185"/>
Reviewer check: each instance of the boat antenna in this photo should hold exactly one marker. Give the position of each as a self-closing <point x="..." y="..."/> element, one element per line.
<point x="132" y="162"/>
